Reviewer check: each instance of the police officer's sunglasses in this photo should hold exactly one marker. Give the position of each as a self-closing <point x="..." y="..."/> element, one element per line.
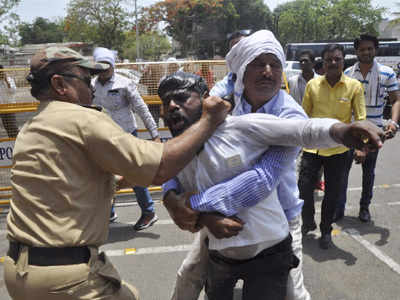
<point x="87" y="79"/>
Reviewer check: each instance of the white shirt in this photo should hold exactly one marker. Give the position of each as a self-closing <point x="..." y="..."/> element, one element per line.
<point x="234" y="148"/>
<point x="120" y="97"/>
<point x="386" y="82"/>
<point x="297" y="85"/>
<point x="7" y="90"/>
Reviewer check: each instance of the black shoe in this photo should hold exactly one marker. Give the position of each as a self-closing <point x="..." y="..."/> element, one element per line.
<point x="306" y="228"/>
<point x="364" y="214"/>
<point x="325" y="242"/>
<point x="145" y="221"/>
<point x="338" y="215"/>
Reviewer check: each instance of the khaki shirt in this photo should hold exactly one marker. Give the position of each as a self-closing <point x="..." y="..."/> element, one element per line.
<point x="62" y="176"/>
<point x="342" y="102"/>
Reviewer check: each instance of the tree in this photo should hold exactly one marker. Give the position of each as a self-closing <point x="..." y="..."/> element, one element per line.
<point x="102" y="22"/>
<point x="396" y="14"/>
<point x="201" y="26"/>
<point x="311" y="20"/>
<point x="152" y="46"/>
<point x="41" y="31"/>
<point x="9" y="20"/>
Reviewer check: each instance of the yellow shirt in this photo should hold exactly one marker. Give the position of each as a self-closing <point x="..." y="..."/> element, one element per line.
<point x="62" y="176"/>
<point x="341" y="102"/>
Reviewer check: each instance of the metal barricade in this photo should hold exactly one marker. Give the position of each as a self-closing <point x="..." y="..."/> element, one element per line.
<point x="20" y="106"/>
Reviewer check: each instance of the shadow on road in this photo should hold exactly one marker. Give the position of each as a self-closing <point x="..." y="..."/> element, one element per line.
<point x="365" y="228"/>
<point x="125" y="232"/>
<point x="312" y="249"/>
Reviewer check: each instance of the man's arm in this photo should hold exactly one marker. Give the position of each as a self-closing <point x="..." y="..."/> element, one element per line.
<point x="179" y="151"/>
<point x="142" y="109"/>
<point x="188" y="219"/>
<point x="248" y="188"/>
<point x="307" y="100"/>
<point x="223" y="87"/>
<point x="358" y="104"/>
<point x="143" y="162"/>
<point x="394" y="98"/>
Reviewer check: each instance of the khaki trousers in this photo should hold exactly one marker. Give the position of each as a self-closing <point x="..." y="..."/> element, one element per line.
<point x="98" y="279"/>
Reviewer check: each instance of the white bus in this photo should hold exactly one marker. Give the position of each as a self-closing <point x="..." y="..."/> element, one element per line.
<point x="388" y="51"/>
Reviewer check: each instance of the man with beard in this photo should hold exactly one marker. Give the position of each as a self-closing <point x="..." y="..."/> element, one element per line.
<point x="181" y="94"/>
<point x="377" y="80"/>
<point x="338" y="96"/>
<point x="65" y="159"/>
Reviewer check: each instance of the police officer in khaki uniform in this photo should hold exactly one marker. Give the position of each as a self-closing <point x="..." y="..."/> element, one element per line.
<point x="63" y="182"/>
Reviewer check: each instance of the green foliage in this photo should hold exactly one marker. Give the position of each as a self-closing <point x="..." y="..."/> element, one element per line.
<point x="102" y="22"/>
<point x="396" y="14"/>
<point x="10" y="21"/>
<point x="201" y="26"/>
<point x="312" y="20"/>
<point x="152" y="46"/>
<point x="6" y="7"/>
<point x="41" y="31"/>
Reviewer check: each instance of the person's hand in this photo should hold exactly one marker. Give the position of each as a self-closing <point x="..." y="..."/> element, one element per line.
<point x="157" y="139"/>
<point x="361" y="135"/>
<point x="121" y="183"/>
<point x="215" y="109"/>
<point x="390" y="130"/>
<point x="220" y="226"/>
<point x="182" y="215"/>
<point x="359" y="156"/>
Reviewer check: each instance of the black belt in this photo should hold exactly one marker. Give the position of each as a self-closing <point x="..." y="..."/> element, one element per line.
<point x="282" y="246"/>
<point x="41" y="256"/>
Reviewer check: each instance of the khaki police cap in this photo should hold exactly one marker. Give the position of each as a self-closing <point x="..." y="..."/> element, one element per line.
<point x="45" y="58"/>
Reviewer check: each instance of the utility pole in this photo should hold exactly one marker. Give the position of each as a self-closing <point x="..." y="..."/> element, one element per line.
<point x="137" y="33"/>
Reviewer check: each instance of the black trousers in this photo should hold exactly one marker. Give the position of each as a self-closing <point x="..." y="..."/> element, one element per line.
<point x="334" y="170"/>
<point x="265" y="276"/>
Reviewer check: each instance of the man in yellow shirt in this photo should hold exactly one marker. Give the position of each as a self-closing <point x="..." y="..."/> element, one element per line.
<point x="333" y="95"/>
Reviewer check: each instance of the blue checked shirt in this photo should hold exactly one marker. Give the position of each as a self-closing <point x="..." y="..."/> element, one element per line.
<point x="272" y="170"/>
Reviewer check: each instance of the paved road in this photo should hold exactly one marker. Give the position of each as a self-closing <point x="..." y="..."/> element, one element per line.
<point x="364" y="264"/>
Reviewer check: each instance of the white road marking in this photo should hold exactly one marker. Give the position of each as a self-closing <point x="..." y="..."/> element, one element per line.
<point x="159" y="222"/>
<point x="149" y="250"/>
<point x="393" y="203"/>
<point x="374" y="250"/>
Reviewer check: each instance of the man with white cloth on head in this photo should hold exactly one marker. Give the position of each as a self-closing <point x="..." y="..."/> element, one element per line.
<point x="120" y="97"/>
<point x="257" y="61"/>
<point x="232" y="150"/>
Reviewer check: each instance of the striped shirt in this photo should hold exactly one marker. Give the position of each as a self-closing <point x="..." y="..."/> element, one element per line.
<point x="387" y="83"/>
<point x="276" y="168"/>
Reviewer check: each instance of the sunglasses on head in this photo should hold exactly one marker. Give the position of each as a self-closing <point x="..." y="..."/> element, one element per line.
<point x="243" y="32"/>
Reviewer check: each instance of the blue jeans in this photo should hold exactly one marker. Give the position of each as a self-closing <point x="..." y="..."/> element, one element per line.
<point x="368" y="179"/>
<point x="143" y="197"/>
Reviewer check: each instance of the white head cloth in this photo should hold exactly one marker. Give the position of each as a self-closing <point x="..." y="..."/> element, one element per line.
<point x="244" y="52"/>
<point x="104" y="55"/>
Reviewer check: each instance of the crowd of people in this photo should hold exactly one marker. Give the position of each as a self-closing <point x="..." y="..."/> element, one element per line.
<point x="228" y="174"/>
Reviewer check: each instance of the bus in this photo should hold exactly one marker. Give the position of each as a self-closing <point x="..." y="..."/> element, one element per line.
<point x="388" y="52"/>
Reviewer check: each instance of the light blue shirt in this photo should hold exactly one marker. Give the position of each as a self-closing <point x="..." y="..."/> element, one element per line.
<point x="250" y="187"/>
<point x="284" y="106"/>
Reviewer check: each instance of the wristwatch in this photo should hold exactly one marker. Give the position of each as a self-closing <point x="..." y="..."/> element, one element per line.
<point x="394" y="123"/>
